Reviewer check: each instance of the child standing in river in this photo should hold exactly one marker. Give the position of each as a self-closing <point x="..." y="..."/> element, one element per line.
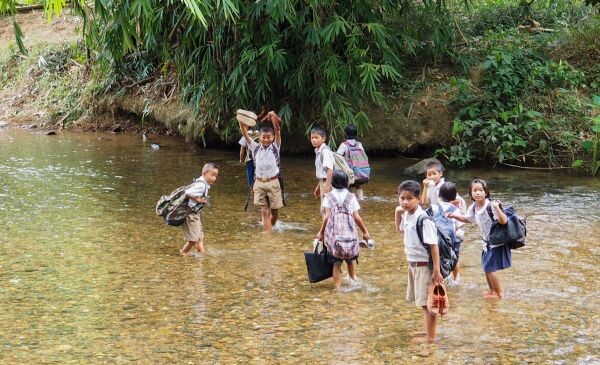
<point x="434" y="178"/>
<point x="197" y="193"/>
<point x="484" y="212"/>
<point x="420" y="275"/>
<point x="323" y="163"/>
<point x="338" y="228"/>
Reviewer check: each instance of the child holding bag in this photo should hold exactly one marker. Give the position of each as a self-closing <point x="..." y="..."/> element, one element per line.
<point x="339" y="226"/>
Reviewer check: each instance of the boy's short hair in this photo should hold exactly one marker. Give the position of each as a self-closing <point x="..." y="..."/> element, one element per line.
<point x="351" y="131"/>
<point x="411" y="186"/>
<point x="320" y="131"/>
<point x="209" y="166"/>
<point x="448" y="191"/>
<point x="434" y="165"/>
<point x="339" y="179"/>
<point x="266" y="129"/>
<point x="483" y="184"/>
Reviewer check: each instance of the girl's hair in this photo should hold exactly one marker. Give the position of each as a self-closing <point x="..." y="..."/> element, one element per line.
<point x="320" y="131"/>
<point x="339" y="180"/>
<point x="411" y="186"/>
<point x="351" y="131"/>
<point x="448" y="191"/>
<point x="483" y="185"/>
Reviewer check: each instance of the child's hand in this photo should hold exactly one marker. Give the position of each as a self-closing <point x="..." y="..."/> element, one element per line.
<point x="425" y="183"/>
<point x="399" y="210"/>
<point x="317" y="192"/>
<point x="437" y="278"/>
<point x="496" y="204"/>
<point x="320" y="236"/>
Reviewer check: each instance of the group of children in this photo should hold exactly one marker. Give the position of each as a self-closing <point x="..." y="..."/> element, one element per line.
<point x="340" y="213"/>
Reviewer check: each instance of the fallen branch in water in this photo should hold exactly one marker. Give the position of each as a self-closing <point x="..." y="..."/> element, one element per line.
<point x="535" y="168"/>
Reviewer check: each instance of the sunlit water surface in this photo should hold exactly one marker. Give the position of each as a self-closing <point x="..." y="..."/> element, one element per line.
<point x="88" y="273"/>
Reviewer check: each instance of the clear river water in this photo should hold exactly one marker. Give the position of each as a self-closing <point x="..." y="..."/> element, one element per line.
<point x="89" y="274"/>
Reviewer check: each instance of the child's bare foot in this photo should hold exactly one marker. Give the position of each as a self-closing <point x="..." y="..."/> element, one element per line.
<point x="182" y="253"/>
<point x="418" y="334"/>
<point x="487" y="292"/>
<point x="423" y="339"/>
<point x="493" y="295"/>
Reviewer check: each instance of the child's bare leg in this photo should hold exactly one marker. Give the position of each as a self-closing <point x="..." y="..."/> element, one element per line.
<point x="274" y="216"/>
<point x="350" y="264"/>
<point x="200" y="245"/>
<point x="337" y="275"/>
<point x="266" y="218"/>
<point x="430" y="324"/>
<point x="490" y="290"/>
<point x="456" y="270"/>
<point x="494" y="281"/>
<point x="186" y="247"/>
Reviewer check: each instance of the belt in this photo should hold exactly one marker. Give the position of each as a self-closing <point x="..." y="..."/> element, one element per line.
<point x="417" y="263"/>
<point x="265" y="179"/>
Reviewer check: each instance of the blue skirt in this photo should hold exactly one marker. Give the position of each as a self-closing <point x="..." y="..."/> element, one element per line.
<point x="497" y="258"/>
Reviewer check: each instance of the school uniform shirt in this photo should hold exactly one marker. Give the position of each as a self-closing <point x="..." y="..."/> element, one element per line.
<point x="264" y="160"/>
<point x="242" y="142"/>
<point x="320" y="166"/>
<point x="433" y="193"/>
<point x="340" y="195"/>
<point x="483" y="221"/>
<point x="414" y="249"/>
<point x="198" y="189"/>
<point x="343" y="148"/>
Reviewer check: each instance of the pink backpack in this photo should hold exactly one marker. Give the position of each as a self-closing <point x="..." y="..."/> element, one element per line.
<point x="340" y="232"/>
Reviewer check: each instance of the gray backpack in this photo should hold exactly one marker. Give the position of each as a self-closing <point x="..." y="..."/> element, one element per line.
<point x="173" y="208"/>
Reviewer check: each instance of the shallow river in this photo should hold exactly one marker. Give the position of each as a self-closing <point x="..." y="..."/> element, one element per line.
<point x="89" y="274"/>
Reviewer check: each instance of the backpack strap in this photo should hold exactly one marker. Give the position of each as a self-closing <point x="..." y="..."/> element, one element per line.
<point x="419" y="227"/>
<point x="489" y="211"/>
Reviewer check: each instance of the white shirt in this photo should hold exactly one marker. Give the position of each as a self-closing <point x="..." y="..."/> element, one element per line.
<point x="483" y="220"/>
<point x="343" y="148"/>
<point x="414" y="249"/>
<point x="198" y="189"/>
<point x="265" y="161"/>
<point x="340" y="195"/>
<point x="433" y="193"/>
<point x="320" y="166"/>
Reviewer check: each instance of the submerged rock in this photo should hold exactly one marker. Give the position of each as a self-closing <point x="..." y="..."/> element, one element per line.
<point x="419" y="168"/>
<point x="50" y="133"/>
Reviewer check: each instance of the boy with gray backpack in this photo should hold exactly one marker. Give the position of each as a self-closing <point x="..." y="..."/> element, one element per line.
<point x="338" y="228"/>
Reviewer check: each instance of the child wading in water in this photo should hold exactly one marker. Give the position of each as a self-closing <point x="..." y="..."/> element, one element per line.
<point x="420" y="275"/>
<point x="450" y="201"/>
<point x="434" y="179"/>
<point x="484" y="212"/>
<point x="339" y="227"/>
<point x="323" y="163"/>
<point x="193" y="233"/>
<point x="354" y="152"/>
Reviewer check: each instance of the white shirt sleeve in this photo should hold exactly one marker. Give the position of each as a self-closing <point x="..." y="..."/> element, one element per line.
<point x="197" y="189"/>
<point x="342" y="149"/>
<point x="242" y="142"/>
<point x="327" y="159"/>
<point x="429" y="232"/>
<point x="471" y="213"/>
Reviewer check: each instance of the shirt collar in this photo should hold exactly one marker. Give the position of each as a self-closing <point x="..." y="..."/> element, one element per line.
<point x="202" y="179"/>
<point x="320" y="149"/>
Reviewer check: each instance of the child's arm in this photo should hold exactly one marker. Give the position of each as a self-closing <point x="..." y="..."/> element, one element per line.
<point x="244" y="129"/>
<point x="398" y="218"/>
<point x="276" y="121"/>
<point x="459" y="217"/>
<point x="502" y="218"/>
<point x="436" y="277"/>
<point x="321" y="233"/>
<point x="317" y="192"/>
<point x="425" y="193"/>
<point x="242" y="154"/>
<point x="199" y="199"/>
<point x="328" y="181"/>
<point x="361" y="224"/>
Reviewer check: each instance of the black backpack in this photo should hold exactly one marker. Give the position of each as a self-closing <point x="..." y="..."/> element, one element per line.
<point x="512" y="233"/>
<point x="448" y="257"/>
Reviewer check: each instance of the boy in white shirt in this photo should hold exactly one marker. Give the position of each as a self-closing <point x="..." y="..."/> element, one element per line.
<point x="193" y="233"/>
<point x="323" y="163"/>
<point x="420" y="276"/>
<point x="266" y="155"/>
<point x="434" y="172"/>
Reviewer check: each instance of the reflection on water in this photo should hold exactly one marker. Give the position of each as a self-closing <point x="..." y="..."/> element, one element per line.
<point x="88" y="273"/>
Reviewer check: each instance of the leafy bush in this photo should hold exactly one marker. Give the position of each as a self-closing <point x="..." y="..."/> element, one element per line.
<point x="506" y="117"/>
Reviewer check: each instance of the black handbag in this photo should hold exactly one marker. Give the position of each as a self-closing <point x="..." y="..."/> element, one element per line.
<point x="318" y="264"/>
<point x="512" y="233"/>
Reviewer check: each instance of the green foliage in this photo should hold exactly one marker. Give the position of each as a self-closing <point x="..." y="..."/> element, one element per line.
<point x="498" y="120"/>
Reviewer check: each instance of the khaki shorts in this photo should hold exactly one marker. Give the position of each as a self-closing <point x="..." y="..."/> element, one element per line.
<point x="419" y="279"/>
<point x="192" y="228"/>
<point x="322" y="187"/>
<point x="268" y="194"/>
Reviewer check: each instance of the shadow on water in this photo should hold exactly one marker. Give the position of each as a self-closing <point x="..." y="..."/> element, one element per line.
<point x="89" y="274"/>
